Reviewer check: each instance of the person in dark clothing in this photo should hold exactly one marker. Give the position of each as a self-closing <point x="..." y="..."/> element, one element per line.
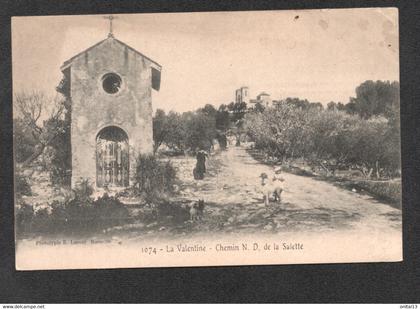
<point x="222" y="141"/>
<point x="201" y="161"/>
<point x="200" y="166"/>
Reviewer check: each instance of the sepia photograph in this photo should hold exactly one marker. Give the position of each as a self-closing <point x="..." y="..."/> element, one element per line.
<point x="207" y="139"/>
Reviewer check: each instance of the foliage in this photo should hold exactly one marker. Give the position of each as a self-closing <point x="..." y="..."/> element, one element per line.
<point x="153" y="177"/>
<point x="42" y="130"/>
<point x="208" y="110"/>
<point x="186" y="132"/>
<point x="300" y="104"/>
<point x="31" y="109"/>
<point x="57" y="157"/>
<point x="23" y="140"/>
<point x="80" y="215"/>
<point x="173" y="210"/>
<point x="363" y="134"/>
<point x="222" y="118"/>
<point x="389" y="191"/>
<point x="279" y="130"/>
<point x="200" y="131"/>
<point x="192" y="131"/>
<point x="237" y="110"/>
<point x="83" y="190"/>
<point x="258" y="107"/>
<point x="23" y="218"/>
<point x="335" y="106"/>
<point x="77" y="216"/>
<point x="328" y="138"/>
<point x="22" y="186"/>
<point x="377" y="98"/>
<point x="167" y="129"/>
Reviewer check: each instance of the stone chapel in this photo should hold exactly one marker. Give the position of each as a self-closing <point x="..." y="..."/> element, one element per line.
<point x="110" y="88"/>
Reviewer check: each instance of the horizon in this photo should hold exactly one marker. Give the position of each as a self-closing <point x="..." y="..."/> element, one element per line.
<point x="318" y="55"/>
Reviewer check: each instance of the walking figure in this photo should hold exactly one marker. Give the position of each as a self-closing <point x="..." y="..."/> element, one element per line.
<point x="200" y="166"/>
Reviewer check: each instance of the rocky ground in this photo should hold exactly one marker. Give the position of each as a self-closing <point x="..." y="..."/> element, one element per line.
<point x="42" y="192"/>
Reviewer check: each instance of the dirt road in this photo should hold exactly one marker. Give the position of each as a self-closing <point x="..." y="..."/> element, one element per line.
<point x="234" y="202"/>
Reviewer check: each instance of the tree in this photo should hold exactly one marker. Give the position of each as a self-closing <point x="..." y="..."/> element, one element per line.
<point x="208" y="110"/>
<point x="222" y="120"/>
<point x="200" y="130"/>
<point x="335" y="106"/>
<point x="316" y="105"/>
<point x="352" y="107"/>
<point x="168" y="129"/>
<point x="341" y="106"/>
<point x="258" y="107"/>
<point x="280" y="130"/>
<point x="57" y="156"/>
<point x="175" y="138"/>
<point x="297" y="103"/>
<point x="32" y="109"/>
<point x="23" y="140"/>
<point x="377" y="98"/>
<point x="237" y="110"/>
<point x="328" y="138"/>
<point x="367" y="150"/>
<point x="332" y="106"/>
<point x="160" y="129"/>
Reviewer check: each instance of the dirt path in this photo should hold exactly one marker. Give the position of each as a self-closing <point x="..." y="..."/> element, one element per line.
<point x="234" y="201"/>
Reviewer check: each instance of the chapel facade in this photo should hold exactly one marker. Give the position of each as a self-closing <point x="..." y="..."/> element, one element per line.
<point x="110" y="88"/>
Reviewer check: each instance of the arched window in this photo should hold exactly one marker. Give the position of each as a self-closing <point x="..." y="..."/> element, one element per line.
<point x="112" y="158"/>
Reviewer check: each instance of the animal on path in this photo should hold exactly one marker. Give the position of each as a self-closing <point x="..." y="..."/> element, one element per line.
<point x="196" y="210"/>
<point x="272" y="187"/>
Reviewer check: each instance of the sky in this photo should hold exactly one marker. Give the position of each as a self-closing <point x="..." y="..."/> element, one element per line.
<point x="319" y="55"/>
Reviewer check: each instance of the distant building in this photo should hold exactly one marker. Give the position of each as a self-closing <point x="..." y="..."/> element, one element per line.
<point x="264" y="99"/>
<point x="242" y="95"/>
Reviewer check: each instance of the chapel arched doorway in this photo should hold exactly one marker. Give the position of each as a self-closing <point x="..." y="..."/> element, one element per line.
<point x="112" y="158"/>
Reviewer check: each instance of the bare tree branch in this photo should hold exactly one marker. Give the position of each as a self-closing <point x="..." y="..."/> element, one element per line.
<point x="34" y="107"/>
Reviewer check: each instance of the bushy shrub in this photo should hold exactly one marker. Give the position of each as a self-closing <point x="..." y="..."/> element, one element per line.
<point x="175" y="212"/>
<point x="23" y="141"/>
<point x="22" y="186"/>
<point x="75" y="217"/>
<point x="109" y="211"/>
<point x="389" y="191"/>
<point x="83" y="190"/>
<point x="24" y="217"/>
<point x="30" y="221"/>
<point x="153" y="177"/>
<point x="57" y="158"/>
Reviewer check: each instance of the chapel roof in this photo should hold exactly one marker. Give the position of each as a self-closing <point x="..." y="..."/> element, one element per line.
<point x="68" y="62"/>
<point x="156" y="67"/>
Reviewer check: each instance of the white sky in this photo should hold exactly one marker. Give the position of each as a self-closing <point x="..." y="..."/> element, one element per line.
<point x="322" y="55"/>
